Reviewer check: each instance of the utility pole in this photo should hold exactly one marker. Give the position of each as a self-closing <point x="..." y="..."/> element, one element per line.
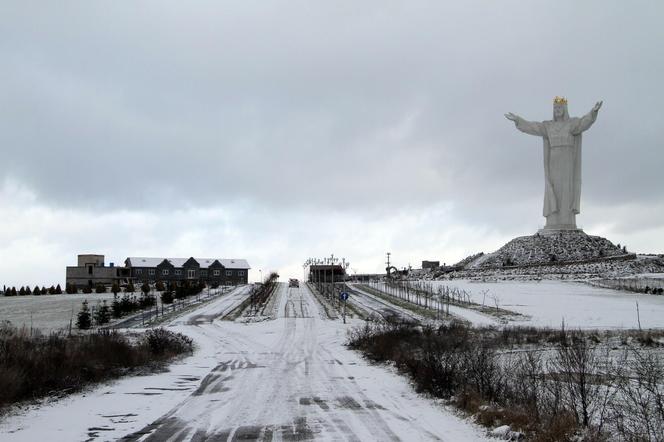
<point x="332" y="274"/>
<point x="387" y="269"/>
<point x="345" y="287"/>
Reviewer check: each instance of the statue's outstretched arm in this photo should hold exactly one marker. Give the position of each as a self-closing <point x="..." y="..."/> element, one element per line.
<point x="587" y="120"/>
<point x="525" y="126"/>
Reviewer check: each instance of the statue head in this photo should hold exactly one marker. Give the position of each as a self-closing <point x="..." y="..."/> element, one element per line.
<point x="560" y="109"/>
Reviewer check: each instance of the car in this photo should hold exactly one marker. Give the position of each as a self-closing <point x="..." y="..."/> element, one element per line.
<point x="293" y="282"/>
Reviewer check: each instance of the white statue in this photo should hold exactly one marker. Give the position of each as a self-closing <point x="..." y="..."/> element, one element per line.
<point x="562" y="161"/>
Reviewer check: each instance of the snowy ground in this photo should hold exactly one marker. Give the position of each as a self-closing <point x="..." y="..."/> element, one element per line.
<point x="474" y="317"/>
<point x="368" y="303"/>
<point x="46" y="312"/>
<point x="286" y="379"/>
<point x="53" y="312"/>
<point x="548" y="303"/>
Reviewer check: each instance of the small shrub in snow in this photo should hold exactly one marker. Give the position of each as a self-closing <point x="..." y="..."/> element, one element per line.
<point x="564" y="387"/>
<point x="84" y="319"/>
<point x="167" y="297"/>
<point x="116" y="310"/>
<point x="103" y="314"/>
<point x="161" y="341"/>
<point x="32" y="365"/>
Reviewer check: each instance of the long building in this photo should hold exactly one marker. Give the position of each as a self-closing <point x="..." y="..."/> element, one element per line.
<point x="91" y="271"/>
<point x="208" y="270"/>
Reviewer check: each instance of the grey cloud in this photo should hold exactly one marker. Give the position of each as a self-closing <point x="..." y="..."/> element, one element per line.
<point x="319" y="106"/>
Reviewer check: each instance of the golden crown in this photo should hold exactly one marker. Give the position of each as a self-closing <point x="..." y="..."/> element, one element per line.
<point x="559" y="100"/>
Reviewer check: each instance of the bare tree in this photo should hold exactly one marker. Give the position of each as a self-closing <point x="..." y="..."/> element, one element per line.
<point x="575" y="367"/>
<point x="639" y="414"/>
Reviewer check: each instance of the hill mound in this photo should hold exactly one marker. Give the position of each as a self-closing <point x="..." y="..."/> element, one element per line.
<point x="559" y="247"/>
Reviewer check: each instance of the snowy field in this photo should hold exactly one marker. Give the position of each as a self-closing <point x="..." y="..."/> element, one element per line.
<point x="46" y="312"/>
<point x="548" y="303"/>
<point x="290" y="378"/>
<point x="53" y="312"/>
<point x="361" y="296"/>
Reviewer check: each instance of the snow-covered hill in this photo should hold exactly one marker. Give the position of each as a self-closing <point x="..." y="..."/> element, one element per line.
<point x="540" y="249"/>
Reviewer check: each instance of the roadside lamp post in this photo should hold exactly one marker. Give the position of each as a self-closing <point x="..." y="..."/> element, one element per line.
<point x="324" y="262"/>
<point x="332" y="260"/>
<point x="261" y="272"/>
<point x="304" y="270"/>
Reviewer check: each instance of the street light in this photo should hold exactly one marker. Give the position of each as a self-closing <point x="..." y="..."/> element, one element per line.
<point x="261" y="271"/>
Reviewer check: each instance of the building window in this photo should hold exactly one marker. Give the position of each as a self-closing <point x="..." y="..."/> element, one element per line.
<point x="216" y="272"/>
<point x="203" y="273"/>
<point x="150" y="271"/>
<point x="229" y="273"/>
<point x="191" y="274"/>
<point x="240" y="272"/>
<point x="89" y="270"/>
<point x="165" y="272"/>
<point x="178" y="272"/>
<point x="139" y="271"/>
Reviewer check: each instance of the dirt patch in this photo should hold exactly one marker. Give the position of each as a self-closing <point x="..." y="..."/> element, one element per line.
<point x="300" y="430"/>
<point x="348" y="403"/>
<point x="371" y="405"/>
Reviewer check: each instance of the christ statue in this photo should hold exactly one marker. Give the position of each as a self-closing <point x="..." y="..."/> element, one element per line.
<point x="562" y="161"/>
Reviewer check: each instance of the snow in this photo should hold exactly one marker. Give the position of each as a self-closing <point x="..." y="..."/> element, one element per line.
<point x="474" y="317"/>
<point x="46" y="312"/>
<point x="501" y="431"/>
<point x="53" y="312"/>
<point x="289" y="378"/>
<point x="548" y="303"/>
<point x="371" y="303"/>
<point x="565" y="245"/>
<point x="220" y="307"/>
<point x="378" y="305"/>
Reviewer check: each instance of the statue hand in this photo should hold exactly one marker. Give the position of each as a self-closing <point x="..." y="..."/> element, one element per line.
<point x="597" y="106"/>
<point x="510" y="116"/>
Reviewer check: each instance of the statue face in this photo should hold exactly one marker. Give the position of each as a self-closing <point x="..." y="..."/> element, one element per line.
<point x="558" y="112"/>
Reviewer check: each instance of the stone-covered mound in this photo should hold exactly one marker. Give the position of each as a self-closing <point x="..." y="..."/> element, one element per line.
<point x="554" y="247"/>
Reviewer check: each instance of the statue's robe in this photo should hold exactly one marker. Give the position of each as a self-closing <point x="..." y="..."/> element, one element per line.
<point x="562" y="166"/>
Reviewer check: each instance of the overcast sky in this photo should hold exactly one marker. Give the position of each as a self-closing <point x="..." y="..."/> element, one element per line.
<point x="279" y="131"/>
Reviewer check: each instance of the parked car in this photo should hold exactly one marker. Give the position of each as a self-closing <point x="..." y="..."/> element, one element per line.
<point x="293" y="282"/>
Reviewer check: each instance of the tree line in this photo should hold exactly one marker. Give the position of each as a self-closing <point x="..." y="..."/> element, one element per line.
<point x="130" y="303"/>
<point x="27" y="291"/>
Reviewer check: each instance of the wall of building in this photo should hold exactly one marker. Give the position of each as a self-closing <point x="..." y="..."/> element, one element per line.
<point x="85" y="276"/>
<point x="179" y="275"/>
<point x="95" y="260"/>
